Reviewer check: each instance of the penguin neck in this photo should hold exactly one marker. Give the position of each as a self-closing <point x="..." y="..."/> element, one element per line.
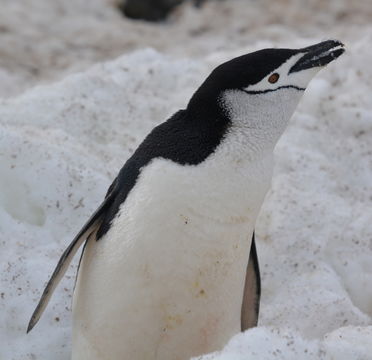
<point x="258" y="121"/>
<point x="206" y="110"/>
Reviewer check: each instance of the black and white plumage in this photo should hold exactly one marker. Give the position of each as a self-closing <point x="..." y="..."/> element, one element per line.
<point x="165" y="271"/>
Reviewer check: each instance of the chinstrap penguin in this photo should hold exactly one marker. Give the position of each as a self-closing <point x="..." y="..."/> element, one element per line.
<point x="164" y="272"/>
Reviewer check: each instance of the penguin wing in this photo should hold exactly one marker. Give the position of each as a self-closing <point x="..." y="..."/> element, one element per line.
<point x="252" y="291"/>
<point x="89" y="227"/>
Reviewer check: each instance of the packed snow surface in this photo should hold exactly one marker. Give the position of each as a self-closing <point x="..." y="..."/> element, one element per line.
<point x="63" y="142"/>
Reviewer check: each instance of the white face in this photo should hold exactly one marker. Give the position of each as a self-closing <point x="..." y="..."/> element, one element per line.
<point x="281" y="78"/>
<point x="263" y="110"/>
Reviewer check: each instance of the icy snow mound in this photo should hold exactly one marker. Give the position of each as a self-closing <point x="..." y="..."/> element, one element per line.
<point x="42" y="40"/>
<point x="63" y="144"/>
<point x="266" y="343"/>
<point x="61" y="147"/>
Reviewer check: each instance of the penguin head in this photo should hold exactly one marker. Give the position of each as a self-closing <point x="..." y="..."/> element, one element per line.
<point x="271" y="70"/>
<point x="262" y="89"/>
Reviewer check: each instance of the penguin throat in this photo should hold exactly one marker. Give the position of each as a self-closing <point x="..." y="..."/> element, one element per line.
<point x="258" y="120"/>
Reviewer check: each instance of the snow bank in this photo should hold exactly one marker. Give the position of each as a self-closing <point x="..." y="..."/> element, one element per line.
<point x="62" y="144"/>
<point x="267" y="343"/>
<point x="44" y="40"/>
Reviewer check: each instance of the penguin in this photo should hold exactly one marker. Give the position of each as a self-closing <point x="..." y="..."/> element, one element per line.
<point x="169" y="268"/>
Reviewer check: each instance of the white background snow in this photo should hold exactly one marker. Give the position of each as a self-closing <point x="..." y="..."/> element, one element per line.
<point x="103" y="89"/>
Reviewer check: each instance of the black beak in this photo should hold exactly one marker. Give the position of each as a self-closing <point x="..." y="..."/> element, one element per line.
<point x="318" y="55"/>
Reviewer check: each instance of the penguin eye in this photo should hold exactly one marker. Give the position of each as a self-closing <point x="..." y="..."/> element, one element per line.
<point x="273" y="78"/>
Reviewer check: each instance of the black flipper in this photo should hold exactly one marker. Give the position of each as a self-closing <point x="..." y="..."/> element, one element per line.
<point x="252" y="291"/>
<point x="90" y="226"/>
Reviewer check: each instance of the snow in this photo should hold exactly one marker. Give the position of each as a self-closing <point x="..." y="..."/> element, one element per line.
<point x="62" y="143"/>
<point x="266" y="343"/>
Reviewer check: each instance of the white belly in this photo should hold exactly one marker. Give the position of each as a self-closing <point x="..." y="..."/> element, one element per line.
<point x="166" y="282"/>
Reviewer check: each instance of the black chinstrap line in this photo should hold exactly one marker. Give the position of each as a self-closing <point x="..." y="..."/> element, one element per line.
<point x="255" y="92"/>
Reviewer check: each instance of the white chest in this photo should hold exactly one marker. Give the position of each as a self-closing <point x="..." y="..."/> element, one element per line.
<point x="173" y="264"/>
